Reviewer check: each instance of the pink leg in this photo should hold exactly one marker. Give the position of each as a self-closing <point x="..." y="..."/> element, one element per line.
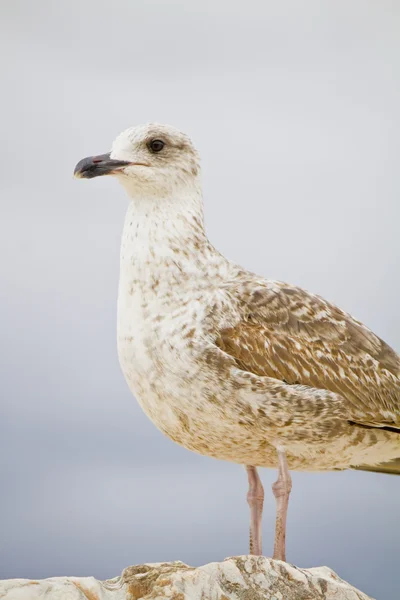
<point x="255" y="498"/>
<point x="281" y="489"/>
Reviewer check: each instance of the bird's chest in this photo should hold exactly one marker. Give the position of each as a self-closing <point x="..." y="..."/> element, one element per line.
<point x="157" y="352"/>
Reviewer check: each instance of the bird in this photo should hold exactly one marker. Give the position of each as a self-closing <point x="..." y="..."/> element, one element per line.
<point x="230" y="364"/>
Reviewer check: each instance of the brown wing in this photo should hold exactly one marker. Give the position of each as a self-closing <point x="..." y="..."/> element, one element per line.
<point x="299" y="338"/>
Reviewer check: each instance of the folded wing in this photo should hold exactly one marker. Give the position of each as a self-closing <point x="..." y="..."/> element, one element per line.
<point x="300" y="339"/>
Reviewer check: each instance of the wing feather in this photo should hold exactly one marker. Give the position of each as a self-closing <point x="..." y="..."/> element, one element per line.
<point x="300" y="339"/>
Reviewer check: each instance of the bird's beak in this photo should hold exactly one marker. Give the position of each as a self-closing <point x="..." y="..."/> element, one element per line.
<point x="93" y="166"/>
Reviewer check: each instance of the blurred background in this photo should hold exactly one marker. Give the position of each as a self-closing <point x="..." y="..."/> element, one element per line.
<point x="295" y="110"/>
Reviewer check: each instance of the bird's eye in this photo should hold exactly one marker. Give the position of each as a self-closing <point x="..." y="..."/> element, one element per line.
<point x="156" y="145"/>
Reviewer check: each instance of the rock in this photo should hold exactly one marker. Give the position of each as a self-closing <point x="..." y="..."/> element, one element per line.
<point x="236" y="578"/>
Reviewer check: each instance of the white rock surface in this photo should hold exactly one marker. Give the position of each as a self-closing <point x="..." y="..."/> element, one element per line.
<point x="236" y="578"/>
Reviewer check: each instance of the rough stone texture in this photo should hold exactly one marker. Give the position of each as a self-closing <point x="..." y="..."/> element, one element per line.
<point x="237" y="578"/>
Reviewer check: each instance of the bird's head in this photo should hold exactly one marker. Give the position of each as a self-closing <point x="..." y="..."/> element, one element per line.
<point x="150" y="160"/>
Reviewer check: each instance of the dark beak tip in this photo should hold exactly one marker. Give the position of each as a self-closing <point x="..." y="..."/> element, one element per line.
<point x="85" y="168"/>
<point x="78" y="173"/>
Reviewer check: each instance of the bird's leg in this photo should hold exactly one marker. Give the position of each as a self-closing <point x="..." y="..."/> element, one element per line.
<point x="281" y="489"/>
<point x="255" y="498"/>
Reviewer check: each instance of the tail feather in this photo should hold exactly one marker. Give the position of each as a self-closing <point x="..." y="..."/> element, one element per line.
<point x="390" y="468"/>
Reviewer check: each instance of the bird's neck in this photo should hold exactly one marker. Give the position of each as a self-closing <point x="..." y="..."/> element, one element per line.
<point x="164" y="240"/>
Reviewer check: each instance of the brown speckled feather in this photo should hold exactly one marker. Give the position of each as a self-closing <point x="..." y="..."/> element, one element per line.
<point x="300" y="339"/>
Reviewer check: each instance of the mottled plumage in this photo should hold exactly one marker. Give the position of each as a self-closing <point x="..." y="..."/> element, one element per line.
<point x="300" y="339"/>
<point x="229" y="364"/>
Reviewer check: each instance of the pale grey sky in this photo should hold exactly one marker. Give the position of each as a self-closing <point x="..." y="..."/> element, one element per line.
<point x="294" y="107"/>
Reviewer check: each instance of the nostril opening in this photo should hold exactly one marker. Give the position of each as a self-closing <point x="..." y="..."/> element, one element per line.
<point x="97" y="160"/>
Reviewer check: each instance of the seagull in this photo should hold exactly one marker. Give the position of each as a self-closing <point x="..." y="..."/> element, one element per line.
<point x="227" y="363"/>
